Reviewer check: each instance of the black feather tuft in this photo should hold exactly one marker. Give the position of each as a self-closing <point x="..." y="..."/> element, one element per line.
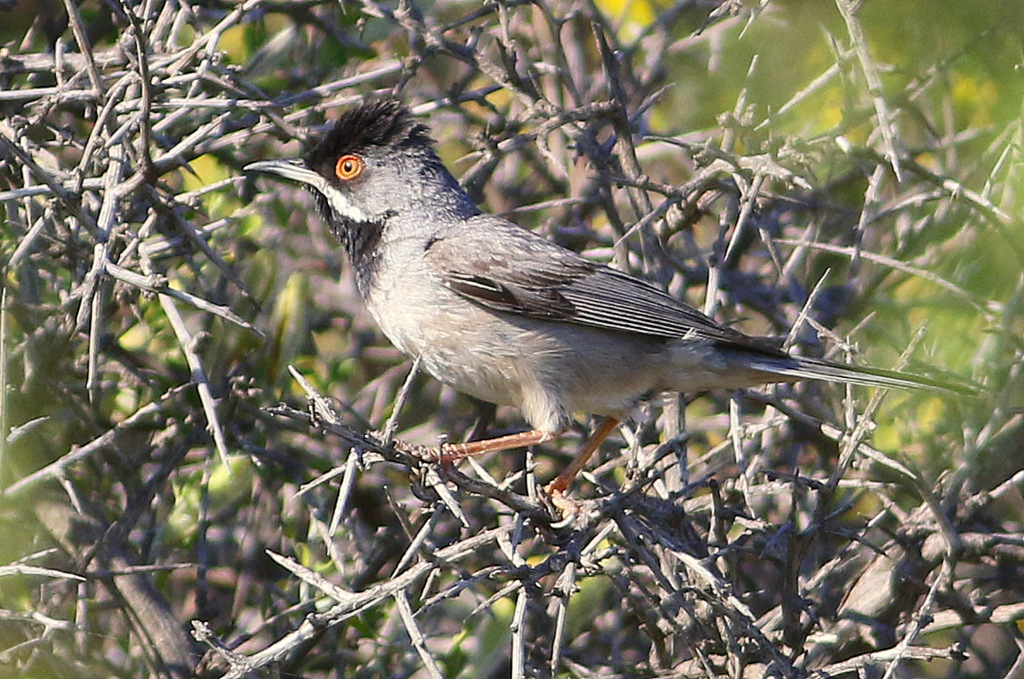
<point x="376" y="123"/>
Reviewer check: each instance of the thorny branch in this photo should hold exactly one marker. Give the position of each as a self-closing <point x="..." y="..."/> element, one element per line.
<point x="156" y="302"/>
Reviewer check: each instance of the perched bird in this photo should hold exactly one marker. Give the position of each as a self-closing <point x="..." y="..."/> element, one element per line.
<point x="506" y="316"/>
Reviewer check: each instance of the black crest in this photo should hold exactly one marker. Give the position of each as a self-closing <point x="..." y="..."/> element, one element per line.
<point x="379" y="122"/>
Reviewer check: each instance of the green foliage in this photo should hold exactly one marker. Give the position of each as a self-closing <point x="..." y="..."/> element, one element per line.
<point x="153" y="310"/>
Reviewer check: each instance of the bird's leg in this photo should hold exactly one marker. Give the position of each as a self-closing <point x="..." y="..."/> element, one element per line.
<point x="448" y="452"/>
<point x="485" y="416"/>
<point x="557" y="487"/>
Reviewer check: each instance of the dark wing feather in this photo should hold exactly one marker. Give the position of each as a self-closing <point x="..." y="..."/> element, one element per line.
<point x="522" y="299"/>
<point x="611" y="299"/>
<point x="505" y="267"/>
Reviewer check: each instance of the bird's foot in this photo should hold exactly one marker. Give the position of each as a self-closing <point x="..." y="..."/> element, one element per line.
<point x="561" y="504"/>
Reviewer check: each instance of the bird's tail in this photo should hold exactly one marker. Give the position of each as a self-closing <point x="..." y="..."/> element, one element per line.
<point x="802" y="367"/>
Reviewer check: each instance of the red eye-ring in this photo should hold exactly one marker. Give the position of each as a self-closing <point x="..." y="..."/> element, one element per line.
<point x="348" y="167"/>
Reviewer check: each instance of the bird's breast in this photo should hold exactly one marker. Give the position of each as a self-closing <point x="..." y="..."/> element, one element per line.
<point x="548" y="370"/>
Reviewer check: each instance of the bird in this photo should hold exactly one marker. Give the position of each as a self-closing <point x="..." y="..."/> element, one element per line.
<point x="509" y="317"/>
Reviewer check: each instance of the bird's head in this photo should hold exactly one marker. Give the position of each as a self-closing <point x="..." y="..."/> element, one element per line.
<point x="376" y="163"/>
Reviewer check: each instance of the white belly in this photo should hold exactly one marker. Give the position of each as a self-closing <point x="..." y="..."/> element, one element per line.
<point x="549" y="370"/>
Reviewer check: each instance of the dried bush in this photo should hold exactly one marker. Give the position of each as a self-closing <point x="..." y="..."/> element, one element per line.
<point x="176" y="501"/>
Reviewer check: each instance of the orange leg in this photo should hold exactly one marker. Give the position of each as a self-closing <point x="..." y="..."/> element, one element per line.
<point x="563" y="480"/>
<point x="448" y="452"/>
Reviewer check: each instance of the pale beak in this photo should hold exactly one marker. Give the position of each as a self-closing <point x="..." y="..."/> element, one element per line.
<point x="298" y="172"/>
<point x="289" y="169"/>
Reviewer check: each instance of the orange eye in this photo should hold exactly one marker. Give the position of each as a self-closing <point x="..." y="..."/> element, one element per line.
<point x="348" y="167"/>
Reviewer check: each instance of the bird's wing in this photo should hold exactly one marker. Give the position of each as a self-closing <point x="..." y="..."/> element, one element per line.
<point x="502" y="266"/>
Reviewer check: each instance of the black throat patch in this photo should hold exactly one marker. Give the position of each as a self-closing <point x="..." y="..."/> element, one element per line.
<point x="361" y="240"/>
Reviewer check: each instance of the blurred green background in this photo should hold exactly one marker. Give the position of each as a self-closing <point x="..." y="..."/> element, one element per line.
<point x="778" y="83"/>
